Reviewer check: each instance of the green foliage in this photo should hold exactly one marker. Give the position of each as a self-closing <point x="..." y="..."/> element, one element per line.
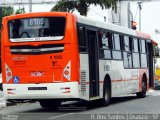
<point x="6" y="11"/>
<point x="20" y="11"/>
<point x="82" y="5"/>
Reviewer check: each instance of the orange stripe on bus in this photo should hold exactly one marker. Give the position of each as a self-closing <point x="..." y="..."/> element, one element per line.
<point x="116" y="80"/>
<point x="124" y="80"/>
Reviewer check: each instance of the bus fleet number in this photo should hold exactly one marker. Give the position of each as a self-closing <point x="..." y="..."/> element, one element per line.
<point x="58" y="57"/>
<point x="106" y="68"/>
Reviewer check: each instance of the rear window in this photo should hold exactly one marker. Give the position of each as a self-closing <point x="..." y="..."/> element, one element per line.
<point x="37" y="29"/>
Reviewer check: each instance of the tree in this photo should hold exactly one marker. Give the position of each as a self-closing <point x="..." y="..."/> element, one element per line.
<point x="20" y="10"/>
<point x="82" y="5"/>
<point x="6" y="11"/>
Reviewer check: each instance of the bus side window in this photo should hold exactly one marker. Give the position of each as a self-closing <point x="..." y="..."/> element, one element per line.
<point x="143" y="46"/>
<point x="126" y="43"/>
<point x="116" y="51"/>
<point x="127" y="54"/>
<point x="131" y="44"/>
<point x="82" y="39"/>
<point x="105" y="45"/>
<point x="116" y="41"/>
<point x="135" y="53"/>
<point x="104" y="40"/>
<point x="135" y="45"/>
<point x="143" y="56"/>
<point x="122" y="42"/>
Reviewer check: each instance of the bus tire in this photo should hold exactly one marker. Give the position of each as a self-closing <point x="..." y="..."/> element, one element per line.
<point x="142" y="94"/>
<point x="1" y="87"/>
<point x="106" y="94"/>
<point x="50" y="103"/>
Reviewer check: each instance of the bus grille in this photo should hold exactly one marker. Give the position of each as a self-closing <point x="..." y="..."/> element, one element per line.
<point x="34" y="50"/>
<point x="83" y="83"/>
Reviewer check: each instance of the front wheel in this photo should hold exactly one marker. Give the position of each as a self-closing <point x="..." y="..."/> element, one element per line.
<point x="142" y="94"/>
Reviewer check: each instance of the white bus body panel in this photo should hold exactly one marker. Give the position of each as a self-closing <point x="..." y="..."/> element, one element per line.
<point x="54" y="91"/>
<point x="123" y="81"/>
<point x="84" y="76"/>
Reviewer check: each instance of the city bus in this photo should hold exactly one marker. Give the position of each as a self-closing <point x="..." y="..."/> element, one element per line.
<point x="52" y="57"/>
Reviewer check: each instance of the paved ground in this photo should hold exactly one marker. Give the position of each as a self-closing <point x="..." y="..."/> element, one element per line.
<point x="121" y="108"/>
<point x="3" y="103"/>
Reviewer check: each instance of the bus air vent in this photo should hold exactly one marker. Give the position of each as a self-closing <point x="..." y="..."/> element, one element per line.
<point x="83" y="83"/>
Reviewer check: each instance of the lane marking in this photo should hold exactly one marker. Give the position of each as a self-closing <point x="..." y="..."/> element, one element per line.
<point x="51" y="118"/>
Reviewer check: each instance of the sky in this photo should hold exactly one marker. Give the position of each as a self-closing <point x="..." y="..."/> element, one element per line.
<point x="150" y="14"/>
<point x="150" y="18"/>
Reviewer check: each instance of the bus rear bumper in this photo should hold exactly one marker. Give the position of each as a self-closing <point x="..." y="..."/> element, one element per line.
<point x="41" y="91"/>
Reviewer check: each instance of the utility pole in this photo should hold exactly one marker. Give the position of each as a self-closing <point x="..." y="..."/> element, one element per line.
<point x="30" y="6"/>
<point x="140" y="8"/>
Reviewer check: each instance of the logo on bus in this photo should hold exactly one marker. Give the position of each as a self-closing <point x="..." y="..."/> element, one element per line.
<point x="36" y="50"/>
<point x="16" y="79"/>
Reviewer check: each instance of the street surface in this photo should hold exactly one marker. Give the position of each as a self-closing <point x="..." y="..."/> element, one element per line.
<point x="120" y="108"/>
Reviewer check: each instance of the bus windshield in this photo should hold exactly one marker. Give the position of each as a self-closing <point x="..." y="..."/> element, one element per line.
<point x="37" y="29"/>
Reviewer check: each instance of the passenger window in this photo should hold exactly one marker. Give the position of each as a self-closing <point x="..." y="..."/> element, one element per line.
<point x="104" y="40"/>
<point x="126" y="43"/>
<point x="105" y="45"/>
<point x="116" y="53"/>
<point x="116" y="41"/>
<point x="143" y="46"/>
<point x="127" y="53"/>
<point x="82" y="39"/>
<point x="135" y="45"/>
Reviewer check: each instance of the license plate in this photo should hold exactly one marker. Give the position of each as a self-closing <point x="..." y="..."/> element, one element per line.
<point x="37" y="74"/>
<point x="37" y="88"/>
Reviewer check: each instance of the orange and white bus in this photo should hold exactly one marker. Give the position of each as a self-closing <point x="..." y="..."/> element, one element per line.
<point x="51" y="57"/>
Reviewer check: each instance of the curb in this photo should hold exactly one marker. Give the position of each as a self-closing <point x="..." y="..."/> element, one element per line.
<point x="4" y="103"/>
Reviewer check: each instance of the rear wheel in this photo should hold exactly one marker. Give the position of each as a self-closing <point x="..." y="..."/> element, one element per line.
<point x="1" y="88"/>
<point x="106" y="94"/>
<point x="142" y="94"/>
<point x="50" y="103"/>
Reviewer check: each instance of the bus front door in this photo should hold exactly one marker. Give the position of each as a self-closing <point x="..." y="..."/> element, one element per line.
<point x="151" y="65"/>
<point x="93" y="63"/>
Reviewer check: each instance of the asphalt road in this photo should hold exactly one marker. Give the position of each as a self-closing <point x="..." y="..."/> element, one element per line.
<point x="120" y="108"/>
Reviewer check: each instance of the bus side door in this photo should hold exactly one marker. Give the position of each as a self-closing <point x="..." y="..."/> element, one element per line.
<point x="93" y="61"/>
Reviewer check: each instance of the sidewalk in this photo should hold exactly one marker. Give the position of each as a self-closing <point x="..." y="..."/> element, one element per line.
<point x="153" y="92"/>
<point x="2" y="102"/>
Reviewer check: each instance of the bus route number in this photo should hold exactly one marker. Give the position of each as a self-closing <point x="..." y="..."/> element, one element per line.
<point x="106" y="68"/>
<point x="36" y="22"/>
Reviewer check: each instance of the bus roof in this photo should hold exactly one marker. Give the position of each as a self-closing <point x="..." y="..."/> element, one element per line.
<point x="87" y="21"/>
<point x="112" y="27"/>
